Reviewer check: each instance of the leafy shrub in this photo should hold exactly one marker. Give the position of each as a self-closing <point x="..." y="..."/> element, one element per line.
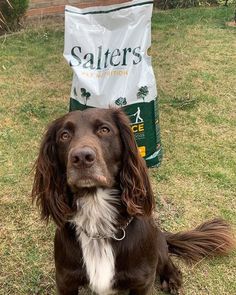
<point x="169" y="4"/>
<point x="11" y="13"/>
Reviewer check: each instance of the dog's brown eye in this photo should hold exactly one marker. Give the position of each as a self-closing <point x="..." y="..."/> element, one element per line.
<point x="65" y="136"/>
<point x="104" y="130"/>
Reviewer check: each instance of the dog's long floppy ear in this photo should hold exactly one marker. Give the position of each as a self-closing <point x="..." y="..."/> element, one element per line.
<point x="49" y="180"/>
<point x="136" y="188"/>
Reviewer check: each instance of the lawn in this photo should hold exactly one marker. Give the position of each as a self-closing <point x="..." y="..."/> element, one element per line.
<point x="194" y="59"/>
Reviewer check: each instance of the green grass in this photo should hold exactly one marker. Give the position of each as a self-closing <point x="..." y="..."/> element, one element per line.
<point x="195" y="64"/>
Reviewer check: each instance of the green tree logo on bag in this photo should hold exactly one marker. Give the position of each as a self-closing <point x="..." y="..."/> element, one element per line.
<point x="142" y="93"/>
<point x="121" y="101"/>
<point x="85" y="94"/>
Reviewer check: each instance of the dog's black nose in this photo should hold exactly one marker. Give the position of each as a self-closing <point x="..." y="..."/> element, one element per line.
<point x="83" y="157"/>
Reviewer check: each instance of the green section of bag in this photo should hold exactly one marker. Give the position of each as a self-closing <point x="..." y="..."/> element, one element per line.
<point x="143" y="117"/>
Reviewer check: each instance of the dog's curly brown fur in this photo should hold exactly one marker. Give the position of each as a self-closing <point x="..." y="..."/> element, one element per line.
<point x="83" y="152"/>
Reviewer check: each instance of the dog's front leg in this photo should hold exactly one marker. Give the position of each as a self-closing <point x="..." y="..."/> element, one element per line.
<point x="146" y="289"/>
<point x="67" y="292"/>
<point x="67" y="286"/>
<point x="143" y="291"/>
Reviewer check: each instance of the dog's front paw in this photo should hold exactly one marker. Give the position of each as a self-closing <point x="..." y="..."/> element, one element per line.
<point x="173" y="285"/>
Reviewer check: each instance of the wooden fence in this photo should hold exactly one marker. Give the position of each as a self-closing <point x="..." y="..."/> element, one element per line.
<point x="40" y="8"/>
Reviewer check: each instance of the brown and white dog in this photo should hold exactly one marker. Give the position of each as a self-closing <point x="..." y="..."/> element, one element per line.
<point x="91" y="180"/>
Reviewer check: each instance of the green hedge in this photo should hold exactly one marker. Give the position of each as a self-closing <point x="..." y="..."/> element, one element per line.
<point x="169" y="4"/>
<point x="12" y="12"/>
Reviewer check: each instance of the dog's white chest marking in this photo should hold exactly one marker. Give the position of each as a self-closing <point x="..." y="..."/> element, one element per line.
<point x="95" y="216"/>
<point x="100" y="264"/>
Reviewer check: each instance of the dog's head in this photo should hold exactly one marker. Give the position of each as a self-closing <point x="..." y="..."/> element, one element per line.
<point x="85" y="150"/>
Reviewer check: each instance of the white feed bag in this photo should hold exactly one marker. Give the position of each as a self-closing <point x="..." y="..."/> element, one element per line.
<point x="106" y="47"/>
